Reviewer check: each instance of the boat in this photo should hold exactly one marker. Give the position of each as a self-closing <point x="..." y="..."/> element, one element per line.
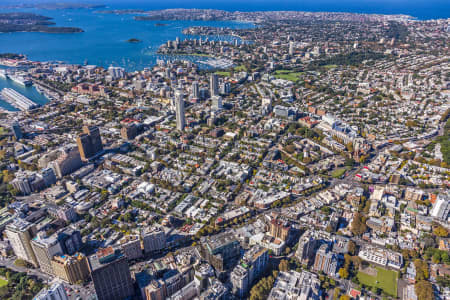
<point x="3" y="74"/>
<point x="20" y="79"/>
<point x="18" y="100"/>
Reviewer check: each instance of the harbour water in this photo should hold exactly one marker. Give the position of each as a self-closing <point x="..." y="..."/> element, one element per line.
<point x="104" y="41"/>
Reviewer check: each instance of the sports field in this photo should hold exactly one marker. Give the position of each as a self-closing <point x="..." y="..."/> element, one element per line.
<point x="385" y="280"/>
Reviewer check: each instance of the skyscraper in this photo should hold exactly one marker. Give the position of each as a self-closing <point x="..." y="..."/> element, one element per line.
<point x="214" y="85"/>
<point x="179" y="107"/>
<point x="17" y="131"/>
<point x="94" y="134"/>
<point x="195" y="90"/>
<point x="111" y="275"/>
<point x="216" y="103"/>
<point x="89" y="142"/>
<point x="84" y="146"/>
<point x="19" y="234"/>
<point x="291" y="48"/>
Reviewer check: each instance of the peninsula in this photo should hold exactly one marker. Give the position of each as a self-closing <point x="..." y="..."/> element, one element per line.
<point x="29" y="22"/>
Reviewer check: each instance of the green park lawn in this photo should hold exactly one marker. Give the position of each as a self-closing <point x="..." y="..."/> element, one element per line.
<point x="3" y="282"/>
<point x="338" y="173"/>
<point x="288" y="75"/>
<point x="330" y="66"/>
<point x="223" y="73"/>
<point x="385" y="280"/>
<point x="240" y="68"/>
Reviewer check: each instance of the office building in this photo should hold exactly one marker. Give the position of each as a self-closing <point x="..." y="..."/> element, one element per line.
<point x="70" y="240"/>
<point x="72" y="269"/>
<point x="89" y="142"/>
<point x="131" y="247"/>
<point x="129" y="131"/>
<point x="85" y="146"/>
<point x="214" y="85"/>
<point x="111" y="274"/>
<point x="49" y="177"/>
<point x="154" y="240"/>
<point x="195" y="90"/>
<point x="45" y="247"/>
<point x="225" y="88"/>
<point x="19" y="234"/>
<point x="17" y="131"/>
<point x="179" y="109"/>
<point x="55" y="292"/>
<point x="221" y="251"/>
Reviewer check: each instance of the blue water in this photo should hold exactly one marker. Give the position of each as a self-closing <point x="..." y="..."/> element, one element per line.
<point x="104" y="41"/>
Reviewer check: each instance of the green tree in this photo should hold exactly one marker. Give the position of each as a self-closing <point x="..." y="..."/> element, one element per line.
<point x="424" y="290"/>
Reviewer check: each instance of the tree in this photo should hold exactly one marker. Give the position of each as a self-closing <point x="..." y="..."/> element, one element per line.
<point x="343" y="273"/>
<point x="351" y="247"/>
<point x="422" y="272"/>
<point x="424" y="290"/>
<point x="337" y="292"/>
<point x="440" y="231"/>
<point x="358" y="225"/>
<point x="283" y="266"/>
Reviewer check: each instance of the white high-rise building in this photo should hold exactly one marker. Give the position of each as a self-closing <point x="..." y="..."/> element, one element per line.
<point x="116" y="72"/>
<point x="154" y="239"/>
<point x="291" y="48"/>
<point x="19" y="234"/>
<point x="179" y="109"/>
<point x="216" y="103"/>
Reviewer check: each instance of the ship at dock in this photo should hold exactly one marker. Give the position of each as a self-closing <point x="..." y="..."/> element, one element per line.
<point x="3" y="74"/>
<point x="21" y="79"/>
<point x="18" y="100"/>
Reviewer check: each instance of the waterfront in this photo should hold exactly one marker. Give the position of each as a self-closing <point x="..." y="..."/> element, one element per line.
<point x="29" y="92"/>
<point x="103" y="43"/>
